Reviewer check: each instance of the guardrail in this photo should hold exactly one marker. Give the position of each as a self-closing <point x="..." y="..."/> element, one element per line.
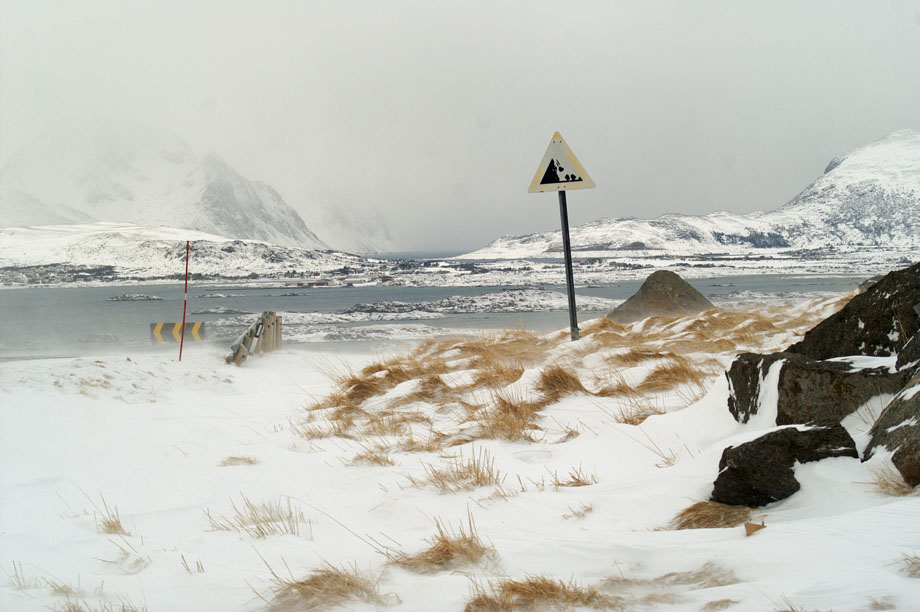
<point x="263" y="336"/>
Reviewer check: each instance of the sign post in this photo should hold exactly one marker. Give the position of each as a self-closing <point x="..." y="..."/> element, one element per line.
<point x="561" y="171"/>
<point x="184" y="301"/>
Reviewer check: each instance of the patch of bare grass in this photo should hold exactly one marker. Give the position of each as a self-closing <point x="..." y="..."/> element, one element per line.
<point x="881" y="603"/>
<point x="536" y="592"/>
<point x="887" y="480"/>
<point x="576" y="478"/>
<point x="581" y="512"/>
<point x="372" y="456"/>
<point x="556" y="382"/>
<point x="711" y="515"/>
<point x="460" y="474"/>
<point x="262" y="519"/>
<point x="448" y="549"/>
<point x="325" y="587"/>
<point x="677" y="371"/>
<point x="107" y="519"/>
<point x="509" y="419"/>
<point x="910" y="565"/>
<point x="82" y="605"/>
<point x="235" y="460"/>
<point x="718" y="604"/>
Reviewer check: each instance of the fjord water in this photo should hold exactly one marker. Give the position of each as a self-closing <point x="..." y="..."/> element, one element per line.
<point x="66" y="321"/>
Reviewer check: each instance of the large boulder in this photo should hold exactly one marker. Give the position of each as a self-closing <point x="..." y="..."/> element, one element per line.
<point x="805" y="390"/>
<point x="663" y="293"/>
<point x="898" y="429"/>
<point x="760" y="472"/>
<point x="878" y="321"/>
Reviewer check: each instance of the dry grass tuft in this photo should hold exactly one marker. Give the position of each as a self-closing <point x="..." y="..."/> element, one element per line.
<point x="238" y="461"/>
<point x="719" y="604"/>
<point x="887" y="480"/>
<point x="509" y="419"/>
<point x="555" y="382"/>
<point x="107" y="519"/>
<point x="447" y="550"/>
<point x="710" y="515"/>
<point x="372" y="456"/>
<point x="262" y="519"/>
<point x="324" y="588"/>
<point x="910" y="565"/>
<point x="634" y="411"/>
<point x="678" y="371"/>
<point x="708" y="575"/>
<point x="460" y="474"/>
<point x="536" y="592"/>
<point x="577" y="478"/>
<point x="83" y="606"/>
<point x="881" y="603"/>
<point x="788" y="606"/>
<point x="580" y="512"/>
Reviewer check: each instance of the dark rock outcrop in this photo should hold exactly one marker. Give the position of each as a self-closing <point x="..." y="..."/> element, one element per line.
<point x="909" y="357"/>
<point x="663" y="293"/>
<point x="759" y="472"/>
<point x="898" y="429"/>
<point x="876" y="322"/>
<point x="807" y="390"/>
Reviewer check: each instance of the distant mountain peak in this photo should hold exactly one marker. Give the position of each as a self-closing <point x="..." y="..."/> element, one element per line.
<point x="130" y="173"/>
<point x="869" y="197"/>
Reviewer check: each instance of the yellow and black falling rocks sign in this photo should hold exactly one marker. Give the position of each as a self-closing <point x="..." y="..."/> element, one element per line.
<point x="172" y="332"/>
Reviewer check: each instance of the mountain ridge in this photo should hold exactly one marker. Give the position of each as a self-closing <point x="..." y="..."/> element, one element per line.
<point x="125" y="172"/>
<point x="870" y="197"/>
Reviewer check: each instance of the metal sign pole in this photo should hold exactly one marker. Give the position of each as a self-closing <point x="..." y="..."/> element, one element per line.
<point x="184" y="301"/>
<point x="569" y="276"/>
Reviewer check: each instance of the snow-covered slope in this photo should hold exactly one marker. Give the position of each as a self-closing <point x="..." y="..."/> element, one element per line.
<point x="134" y="174"/>
<point x="139" y="252"/>
<point x="870" y="197"/>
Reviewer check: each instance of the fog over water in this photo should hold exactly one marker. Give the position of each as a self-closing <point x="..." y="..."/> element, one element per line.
<point x="434" y="115"/>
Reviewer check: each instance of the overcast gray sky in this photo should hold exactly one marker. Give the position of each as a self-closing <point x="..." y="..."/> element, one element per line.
<point x="437" y="113"/>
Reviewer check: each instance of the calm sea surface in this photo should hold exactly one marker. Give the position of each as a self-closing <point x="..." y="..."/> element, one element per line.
<point x="38" y="322"/>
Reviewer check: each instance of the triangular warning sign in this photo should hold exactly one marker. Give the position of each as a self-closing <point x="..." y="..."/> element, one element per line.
<point x="560" y="170"/>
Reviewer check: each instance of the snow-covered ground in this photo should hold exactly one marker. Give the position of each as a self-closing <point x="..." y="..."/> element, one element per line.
<point x="173" y="448"/>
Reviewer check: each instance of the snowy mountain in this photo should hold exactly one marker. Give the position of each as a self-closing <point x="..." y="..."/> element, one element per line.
<point x="133" y="174"/>
<point x="120" y="251"/>
<point x="870" y="197"/>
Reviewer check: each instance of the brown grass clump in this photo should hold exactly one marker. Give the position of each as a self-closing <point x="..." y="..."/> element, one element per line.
<point x="887" y="480"/>
<point x="324" y="588"/>
<point x="669" y="375"/>
<point x="536" y="592"/>
<point x="555" y="382"/>
<point x="708" y="575"/>
<point x="262" y="519"/>
<point x="447" y="550"/>
<point x="234" y="460"/>
<point x="83" y="606"/>
<point x="634" y="411"/>
<point x="577" y="478"/>
<point x="883" y="603"/>
<point x="718" y="604"/>
<point x="108" y="520"/>
<point x="710" y="515"/>
<point x="509" y="419"/>
<point x="460" y="474"/>
<point x="910" y="565"/>
<point x="372" y="456"/>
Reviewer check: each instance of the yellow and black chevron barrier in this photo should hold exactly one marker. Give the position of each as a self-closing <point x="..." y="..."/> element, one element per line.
<point x="172" y="332"/>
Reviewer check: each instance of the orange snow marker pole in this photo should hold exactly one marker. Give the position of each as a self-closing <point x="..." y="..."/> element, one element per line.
<point x="184" y="301"/>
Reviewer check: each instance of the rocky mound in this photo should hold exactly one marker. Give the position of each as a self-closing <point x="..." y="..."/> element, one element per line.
<point x="663" y="293"/>
<point x="870" y="348"/>
<point x="879" y="321"/>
